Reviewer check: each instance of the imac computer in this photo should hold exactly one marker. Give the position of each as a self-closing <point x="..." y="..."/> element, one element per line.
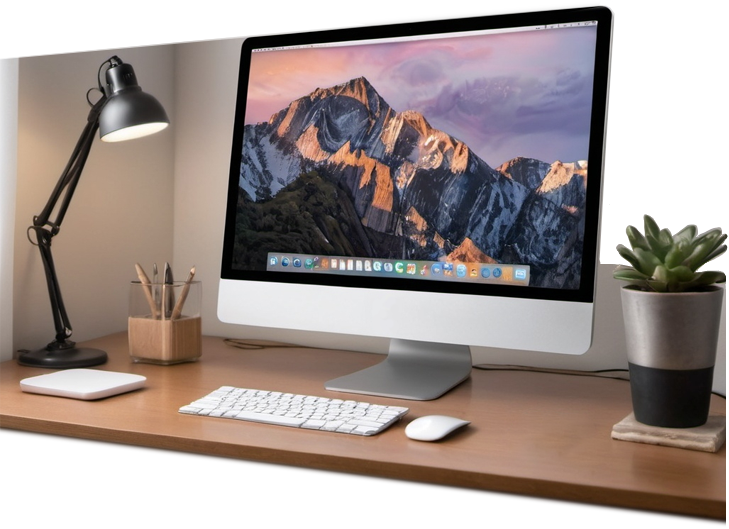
<point x="435" y="183"/>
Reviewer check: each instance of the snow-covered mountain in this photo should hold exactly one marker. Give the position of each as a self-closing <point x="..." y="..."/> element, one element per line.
<point x="413" y="191"/>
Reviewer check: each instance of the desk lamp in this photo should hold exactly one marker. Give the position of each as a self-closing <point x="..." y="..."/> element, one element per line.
<point x="122" y="113"/>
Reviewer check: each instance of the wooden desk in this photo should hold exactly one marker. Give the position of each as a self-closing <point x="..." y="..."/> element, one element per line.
<point x="534" y="434"/>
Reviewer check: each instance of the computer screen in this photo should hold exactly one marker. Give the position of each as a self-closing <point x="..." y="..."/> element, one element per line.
<point x="424" y="182"/>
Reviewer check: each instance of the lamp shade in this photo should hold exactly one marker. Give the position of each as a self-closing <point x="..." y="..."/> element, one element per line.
<point x="129" y="112"/>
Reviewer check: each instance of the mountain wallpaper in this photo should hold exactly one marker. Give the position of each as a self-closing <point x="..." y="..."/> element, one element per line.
<point x="339" y="171"/>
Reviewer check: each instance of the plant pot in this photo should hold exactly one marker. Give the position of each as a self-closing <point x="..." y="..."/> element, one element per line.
<point x="671" y="342"/>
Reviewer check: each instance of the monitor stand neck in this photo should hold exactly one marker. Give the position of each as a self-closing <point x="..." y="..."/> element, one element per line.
<point x="412" y="370"/>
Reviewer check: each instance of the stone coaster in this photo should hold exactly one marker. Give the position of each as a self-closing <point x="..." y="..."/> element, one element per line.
<point x="707" y="438"/>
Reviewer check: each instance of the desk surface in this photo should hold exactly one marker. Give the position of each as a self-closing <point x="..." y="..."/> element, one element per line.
<point x="536" y="434"/>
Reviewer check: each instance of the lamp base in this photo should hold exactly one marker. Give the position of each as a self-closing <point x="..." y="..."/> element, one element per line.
<point x="74" y="357"/>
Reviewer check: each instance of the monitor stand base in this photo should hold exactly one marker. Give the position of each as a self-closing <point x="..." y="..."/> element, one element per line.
<point x="412" y="370"/>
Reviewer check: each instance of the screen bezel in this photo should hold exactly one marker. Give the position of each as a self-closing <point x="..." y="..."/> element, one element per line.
<point x="585" y="293"/>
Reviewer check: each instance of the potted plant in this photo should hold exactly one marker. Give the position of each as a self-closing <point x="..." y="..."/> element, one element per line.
<point x="672" y="315"/>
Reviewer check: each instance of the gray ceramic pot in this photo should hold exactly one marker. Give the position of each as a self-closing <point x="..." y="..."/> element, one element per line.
<point x="671" y="343"/>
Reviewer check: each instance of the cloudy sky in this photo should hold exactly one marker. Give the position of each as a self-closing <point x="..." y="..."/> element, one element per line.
<point x="505" y="95"/>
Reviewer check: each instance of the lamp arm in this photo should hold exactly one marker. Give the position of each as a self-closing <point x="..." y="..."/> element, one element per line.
<point x="72" y="172"/>
<point x="45" y="229"/>
<point x="60" y="316"/>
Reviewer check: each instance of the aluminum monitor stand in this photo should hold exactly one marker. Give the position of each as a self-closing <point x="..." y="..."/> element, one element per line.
<point x="412" y="370"/>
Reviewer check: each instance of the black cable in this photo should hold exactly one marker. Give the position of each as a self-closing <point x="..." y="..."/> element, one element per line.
<point x="601" y="373"/>
<point x="598" y="373"/>
<point x="252" y="345"/>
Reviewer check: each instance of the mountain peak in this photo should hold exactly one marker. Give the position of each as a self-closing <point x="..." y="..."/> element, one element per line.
<point x="526" y="171"/>
<point x="358" y="88"/>
<point x="561" y="174"/>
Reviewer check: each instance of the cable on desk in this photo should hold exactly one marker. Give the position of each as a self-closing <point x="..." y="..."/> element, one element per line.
<point x="252" y="345"/>
<point x="614" y="374"/>
<point x="618" y="374"/>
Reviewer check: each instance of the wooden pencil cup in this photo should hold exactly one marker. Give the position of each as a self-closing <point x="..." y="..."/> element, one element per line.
<point x="164" y="322"/>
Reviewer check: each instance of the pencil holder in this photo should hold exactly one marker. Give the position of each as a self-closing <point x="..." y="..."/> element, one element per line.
<point x="164" y="322"/>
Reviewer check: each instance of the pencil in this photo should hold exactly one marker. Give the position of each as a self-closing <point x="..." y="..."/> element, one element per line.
<point x="147" y="290"/>
<point x="177" y="311"/>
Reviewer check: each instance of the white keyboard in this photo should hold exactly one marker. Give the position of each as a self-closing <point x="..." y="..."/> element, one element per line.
<point x="299" y="411"/>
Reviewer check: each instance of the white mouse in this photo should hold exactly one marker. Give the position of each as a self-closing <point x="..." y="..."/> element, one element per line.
<point x="433" y="427"/>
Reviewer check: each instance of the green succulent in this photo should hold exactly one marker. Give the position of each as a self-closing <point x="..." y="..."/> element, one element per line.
<point x="662" y="262"/>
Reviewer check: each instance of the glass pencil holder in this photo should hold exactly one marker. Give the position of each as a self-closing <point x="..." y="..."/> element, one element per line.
<point x="164" y="322"/>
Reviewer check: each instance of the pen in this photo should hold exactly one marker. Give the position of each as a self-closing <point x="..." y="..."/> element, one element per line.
<point x="183" y="296"/>
<point x="168" y="292"/>
<point x="147" y="290"/>
<point x="155" y="285"/>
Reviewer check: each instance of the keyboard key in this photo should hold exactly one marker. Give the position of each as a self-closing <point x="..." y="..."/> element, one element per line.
<point x="269" y="418"/>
